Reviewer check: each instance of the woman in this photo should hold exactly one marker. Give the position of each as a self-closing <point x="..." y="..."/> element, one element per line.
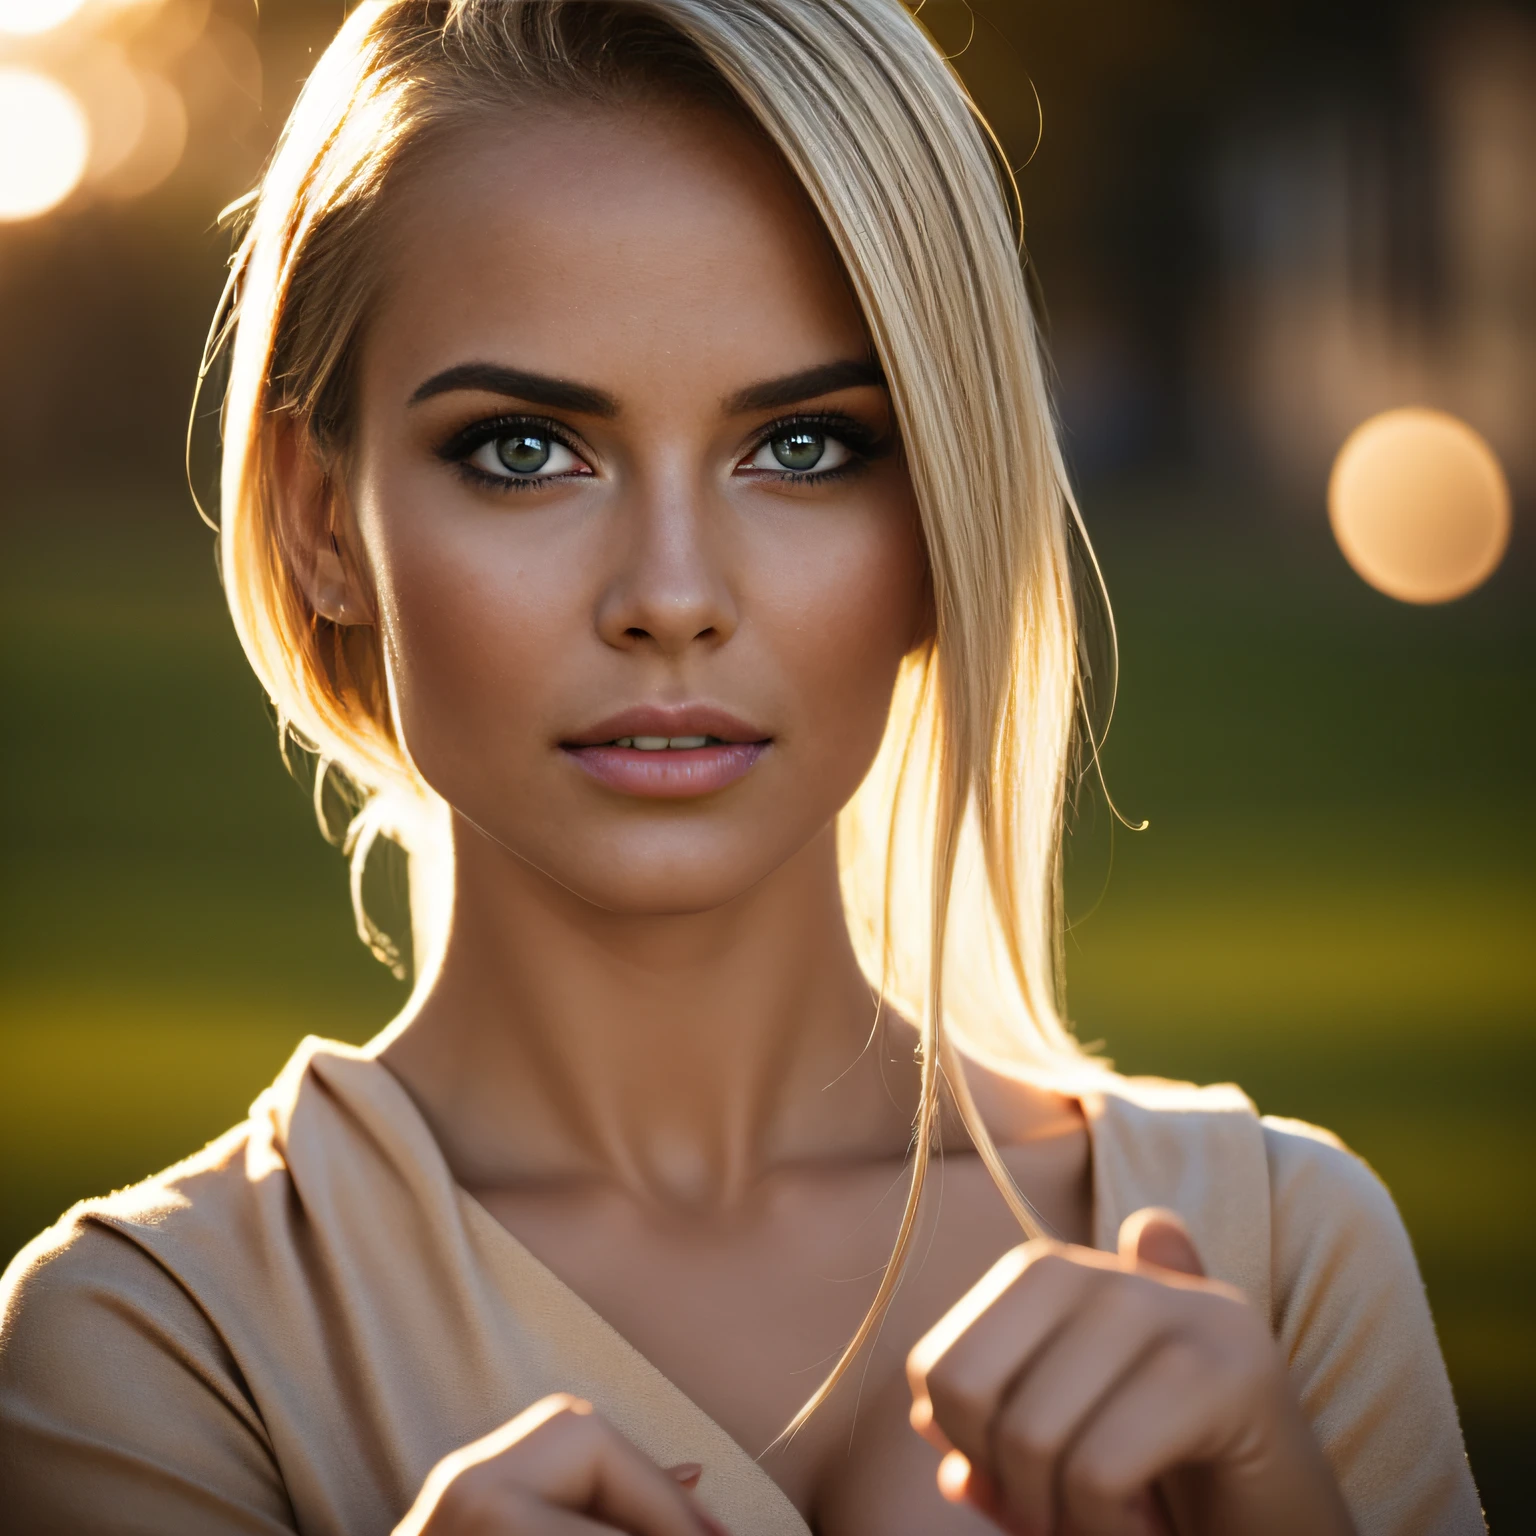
<point x="640" y="484"/>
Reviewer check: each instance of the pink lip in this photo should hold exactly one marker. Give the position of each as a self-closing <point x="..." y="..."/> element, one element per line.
<point x="669" y="775"/>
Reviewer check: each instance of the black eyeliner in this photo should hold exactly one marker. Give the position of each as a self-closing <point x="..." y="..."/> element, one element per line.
<point x="863" y="442"/>
<point x="456" y="449"/>
<point x="478" y="433"/>
<point x="857" y="435"/>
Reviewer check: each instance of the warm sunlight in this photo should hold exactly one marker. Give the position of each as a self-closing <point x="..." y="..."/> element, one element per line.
<point x="1419" y="505"/>
<point x="47" y="142"/>
<point x="29" y="17"/>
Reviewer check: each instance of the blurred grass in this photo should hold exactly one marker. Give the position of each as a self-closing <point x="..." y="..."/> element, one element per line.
<point x="1333" y="904"/>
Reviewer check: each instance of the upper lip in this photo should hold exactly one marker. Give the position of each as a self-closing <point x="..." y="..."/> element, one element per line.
<point x="668" y="720"/>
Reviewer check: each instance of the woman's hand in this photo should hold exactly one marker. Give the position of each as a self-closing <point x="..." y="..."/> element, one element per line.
<point x="1080" y="1392"/>
<point x="558" y="1469"/>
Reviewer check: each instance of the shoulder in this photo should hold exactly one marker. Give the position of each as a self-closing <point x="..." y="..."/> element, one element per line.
<point x="1341" y="1258"/>
<point x="118" y="1394"/>
<point x="1307" y="1229"/>
<point x="1328" y="1207"/>
<point x="1352" y="1316"/>
<point x="109" y="1266"/>
<point x="86" y="1288"/>
<point x="150" y="1228"/>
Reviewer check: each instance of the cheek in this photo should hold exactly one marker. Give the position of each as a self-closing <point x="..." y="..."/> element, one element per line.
<point x="474" y="632"/>
<point x="847" y="607"/>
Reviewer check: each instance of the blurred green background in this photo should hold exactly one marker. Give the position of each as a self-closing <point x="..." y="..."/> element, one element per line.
<point x="1333" y="904"/>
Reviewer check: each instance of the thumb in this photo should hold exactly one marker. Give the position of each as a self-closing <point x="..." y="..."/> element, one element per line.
<point x="1158" y="1236"/>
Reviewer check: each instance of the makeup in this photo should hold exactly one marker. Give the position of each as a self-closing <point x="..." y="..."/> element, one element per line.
<point x="668" y="752"/>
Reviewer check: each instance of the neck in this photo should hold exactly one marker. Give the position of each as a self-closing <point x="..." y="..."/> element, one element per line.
<point x="681" y="1057"/>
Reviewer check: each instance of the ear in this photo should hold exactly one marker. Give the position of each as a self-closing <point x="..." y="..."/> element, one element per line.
<point x="316" y="529"/>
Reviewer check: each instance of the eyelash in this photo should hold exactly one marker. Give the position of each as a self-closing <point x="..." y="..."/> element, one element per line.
<point x="863" y="445"/>
<point x="458" y="448"/>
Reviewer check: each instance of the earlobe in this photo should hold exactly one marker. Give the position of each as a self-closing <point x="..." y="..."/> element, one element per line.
<point x="314" y="527"/>
<point x="332" y="590"/>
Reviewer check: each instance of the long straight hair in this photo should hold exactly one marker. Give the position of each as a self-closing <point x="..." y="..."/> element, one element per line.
<point x="950" y="852"/>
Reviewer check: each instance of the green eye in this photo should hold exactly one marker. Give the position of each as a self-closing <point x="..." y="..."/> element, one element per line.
<point x="800" y="449"/>
<point x="800" y="453"/>
<point x="524" y="454"/>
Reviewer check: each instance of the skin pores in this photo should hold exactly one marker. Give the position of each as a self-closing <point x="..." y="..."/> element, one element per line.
<point x="654" y="562"/>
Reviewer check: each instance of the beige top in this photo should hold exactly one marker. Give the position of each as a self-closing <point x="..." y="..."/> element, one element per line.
<point x="285" y="1332"/>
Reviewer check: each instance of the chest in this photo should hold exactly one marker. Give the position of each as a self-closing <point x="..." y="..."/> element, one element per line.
<point x="747" y="1315"/>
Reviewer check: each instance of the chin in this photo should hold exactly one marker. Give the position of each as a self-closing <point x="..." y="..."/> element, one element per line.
<point x="635" y="886"/>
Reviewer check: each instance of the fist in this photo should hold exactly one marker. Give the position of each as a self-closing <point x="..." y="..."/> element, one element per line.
<point x="540" y="1473"/>
<point x="1074" y="1391"/>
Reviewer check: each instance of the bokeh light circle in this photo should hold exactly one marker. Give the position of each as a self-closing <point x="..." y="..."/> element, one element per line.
<point x="45" y="143"/>
<point x="29" y="17"/>
<point x="1419" y="505"/>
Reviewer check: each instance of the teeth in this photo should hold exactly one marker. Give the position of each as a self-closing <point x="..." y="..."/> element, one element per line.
<point x="663" y="743"/>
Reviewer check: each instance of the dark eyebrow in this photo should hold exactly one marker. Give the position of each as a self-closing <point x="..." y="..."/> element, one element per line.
<point x="516" y="384"/>
<point x="824" y="379"/>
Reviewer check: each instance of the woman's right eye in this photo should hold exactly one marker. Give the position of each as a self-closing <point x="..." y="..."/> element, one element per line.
<point x="526" y="454"/>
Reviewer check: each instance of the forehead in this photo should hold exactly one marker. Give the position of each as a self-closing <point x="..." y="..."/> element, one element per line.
<point x="595" y="242"/>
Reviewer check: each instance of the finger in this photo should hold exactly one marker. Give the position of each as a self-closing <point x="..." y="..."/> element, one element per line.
<point x="961" y="1368"/>
<point x="961" y="1483"/>
<point x="585" y="1464"/>
<point x="1072" y="1375"/>
<point x="530" y="1516"/>
<point x="1158" y="1419"/>
<point x="536" y="1518"/>
<point x="561" y="1453"/>
<point x="1156" y="1235"/>
<point x="687" y="1473"/>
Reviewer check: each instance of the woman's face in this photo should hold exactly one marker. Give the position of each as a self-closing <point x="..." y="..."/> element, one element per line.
<point x="628" y="496"/>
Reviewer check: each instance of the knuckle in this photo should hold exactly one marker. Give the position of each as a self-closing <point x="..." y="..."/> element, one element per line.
<point x="1028" y="1438"/>
<point x="1186" y="1362"/>
<point x="953" y="1392"/>
<point x="471" y="1501"/>
<point x="1138" y="1300"/>
<point x="570" y="1418"/>
<point x="1049" y="1262"/>
<point x="1094" y="1482"/>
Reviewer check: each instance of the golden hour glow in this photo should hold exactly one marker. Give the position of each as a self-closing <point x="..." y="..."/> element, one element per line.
<point x="47" y="143"/>
<point x="161" y="136"/>
<point x="1419" y="505"/>
<point x="29" y="17"/>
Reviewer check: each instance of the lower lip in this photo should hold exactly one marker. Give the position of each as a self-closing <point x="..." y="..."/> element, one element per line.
<point x="669" y="774"/>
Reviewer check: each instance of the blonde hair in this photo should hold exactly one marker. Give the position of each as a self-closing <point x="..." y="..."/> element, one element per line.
<point x="951" y="850"/>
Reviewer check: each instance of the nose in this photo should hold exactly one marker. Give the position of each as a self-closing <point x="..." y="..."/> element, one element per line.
<point x="669" y="589"/>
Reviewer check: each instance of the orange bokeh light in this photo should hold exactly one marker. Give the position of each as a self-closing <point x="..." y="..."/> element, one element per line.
<point x="27" y="18"/>
<point x="47" y="141"/>
<point x="1419" y="505"/>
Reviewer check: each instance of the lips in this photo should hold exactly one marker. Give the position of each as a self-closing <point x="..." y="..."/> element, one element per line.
<point x="668" y="752"/>
<point x="668" y="723"/>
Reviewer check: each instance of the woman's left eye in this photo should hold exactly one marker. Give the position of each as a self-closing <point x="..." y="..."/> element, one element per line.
<point x="525" y="455"/>
<point x="800" y="451"/>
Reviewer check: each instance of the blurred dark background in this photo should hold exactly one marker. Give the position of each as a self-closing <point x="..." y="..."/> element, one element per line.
<point x="1253" y="225"/>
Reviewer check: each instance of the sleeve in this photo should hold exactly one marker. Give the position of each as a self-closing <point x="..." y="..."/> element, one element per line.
<point x="1352" y="1316"/>
<point x="120" y="1408"/>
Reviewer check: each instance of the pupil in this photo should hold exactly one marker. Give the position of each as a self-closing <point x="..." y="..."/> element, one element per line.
<point x="799" y="450"/>
<point x="523" y="455"/>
